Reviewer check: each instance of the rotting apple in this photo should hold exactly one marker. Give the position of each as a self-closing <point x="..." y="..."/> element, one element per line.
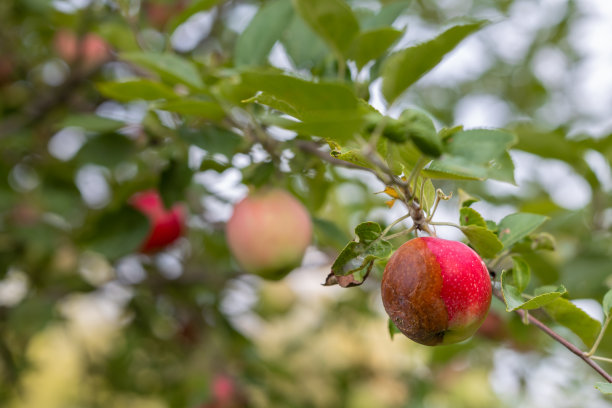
<point x="436" y="291"/>
<point x="269" y="232"/>
<point x="166" y="224"/>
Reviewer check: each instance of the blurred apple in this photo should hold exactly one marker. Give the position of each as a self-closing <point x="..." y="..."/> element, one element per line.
<point x="269" y="232"/>
<point x="166" y="225"/>
<point x="89" y="50"/>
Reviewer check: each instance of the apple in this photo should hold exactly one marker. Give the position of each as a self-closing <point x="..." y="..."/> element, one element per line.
<point x="159" y="13"/>
<point x="166" y="225"/>
<point x="269" y="232"/>
<point x="436" y="291"/>
<point x="90" y="50"/>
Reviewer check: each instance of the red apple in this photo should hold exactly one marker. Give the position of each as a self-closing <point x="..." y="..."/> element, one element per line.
<point x="269" y="232"/>
<point x="166" y="225"/>
<point x="436" y="291"/>
<point x="90" y="50"/>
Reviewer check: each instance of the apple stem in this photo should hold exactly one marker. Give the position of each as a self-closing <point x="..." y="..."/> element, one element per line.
<point x="559" y="339"/>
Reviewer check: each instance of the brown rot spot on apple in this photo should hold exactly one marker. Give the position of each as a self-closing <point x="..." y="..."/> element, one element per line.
<point x="268" y="233"/>
<point x="436" y="291"/>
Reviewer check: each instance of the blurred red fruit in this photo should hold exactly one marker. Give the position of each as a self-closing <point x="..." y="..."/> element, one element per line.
<point x="90" y="50"/>
<point x="166" y="225"/>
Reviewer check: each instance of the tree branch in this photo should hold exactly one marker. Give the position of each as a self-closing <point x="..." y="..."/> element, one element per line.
<point x="559" y="339"/>
<point x="313" y="148"/>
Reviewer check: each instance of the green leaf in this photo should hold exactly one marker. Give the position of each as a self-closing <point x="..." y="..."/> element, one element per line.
<point x="337" y="125"/>
<point x="329" y="110"/>
<point x="465" y="199"/>
<point x="515" y="227"/>
<point x="298" y="97"/>
<point x="421" y="130"/>
<point x="491" y="225"/>
<point x="328" y="233"/>
<point x="372" y="44"/>
<point x="607" y="303"/>
<point x="170" y="67"/>
<point x="469" y="216"/>
<point x="454" y="168"/>
<point x="357" y="257"/>
<point x="173" y="181"/>
<point x="484" y="241"/>
<point x="577" y="320"/>
<point x="476" y="154"/>
<point x="194" y="7"/>
<point x="195" y="107"/>
<point x="386" y="16"/>
<point x="542" y="241"/>
<point x="429" y="192"/>
<point x="304" y="47"/>
<point x="400" y="156"/>
<point x="92" y="122"/>
<point x="256" y="41"/>
<point x="333" y="20"/>
<point x="521" y="273"/>
<point x="258" y="174"/>
<point x="213" y="139"/>
<point x="106" y="150"/>
<point x="144" y="89"/>
<point x="393" y="330"/>
<point x="405" y="67"/>
<point x="514" y="300"/>
<point x="118" y="233"/>
<point x="354" y="156"/>
<point x="604" y="387"/>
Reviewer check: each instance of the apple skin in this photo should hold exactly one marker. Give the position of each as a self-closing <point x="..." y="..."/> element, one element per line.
<point x="268" y="233"/>
<point x="436" y="291"/>
<point x="91" y="50"/>
<point x="166" y="225"/>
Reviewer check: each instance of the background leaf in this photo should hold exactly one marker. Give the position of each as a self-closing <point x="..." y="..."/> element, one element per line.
<point x="577" y="320"/>
<point x="372" y="44"/>
<point x="265" y="29"/>
<point x="405" y="67"/>
<point x="170" y="67"/>
<point x="607" y="303"/>
<point x="521" y="273"/>
<point x="136" y="89"/>
<point x="333" y="20"/>
<point x="514" y="227"/>
<point x="514" y="300"/>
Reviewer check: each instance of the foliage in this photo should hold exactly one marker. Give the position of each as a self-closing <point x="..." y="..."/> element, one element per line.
<point x="329" y="100"/>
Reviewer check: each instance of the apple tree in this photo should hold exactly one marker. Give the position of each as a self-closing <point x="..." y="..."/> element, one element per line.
<point x="200" y="201"/>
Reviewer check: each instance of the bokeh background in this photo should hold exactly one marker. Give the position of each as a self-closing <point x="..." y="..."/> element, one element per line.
<point x="184" y="327"/>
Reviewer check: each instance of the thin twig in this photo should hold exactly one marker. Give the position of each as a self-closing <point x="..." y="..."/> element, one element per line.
<point x="600" y="337"/>
<point x="560" y="339"/>
<point x="607" y="360"/>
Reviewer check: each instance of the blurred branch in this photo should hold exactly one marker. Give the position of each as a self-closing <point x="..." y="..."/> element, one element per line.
<point x="559" y="339"/>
